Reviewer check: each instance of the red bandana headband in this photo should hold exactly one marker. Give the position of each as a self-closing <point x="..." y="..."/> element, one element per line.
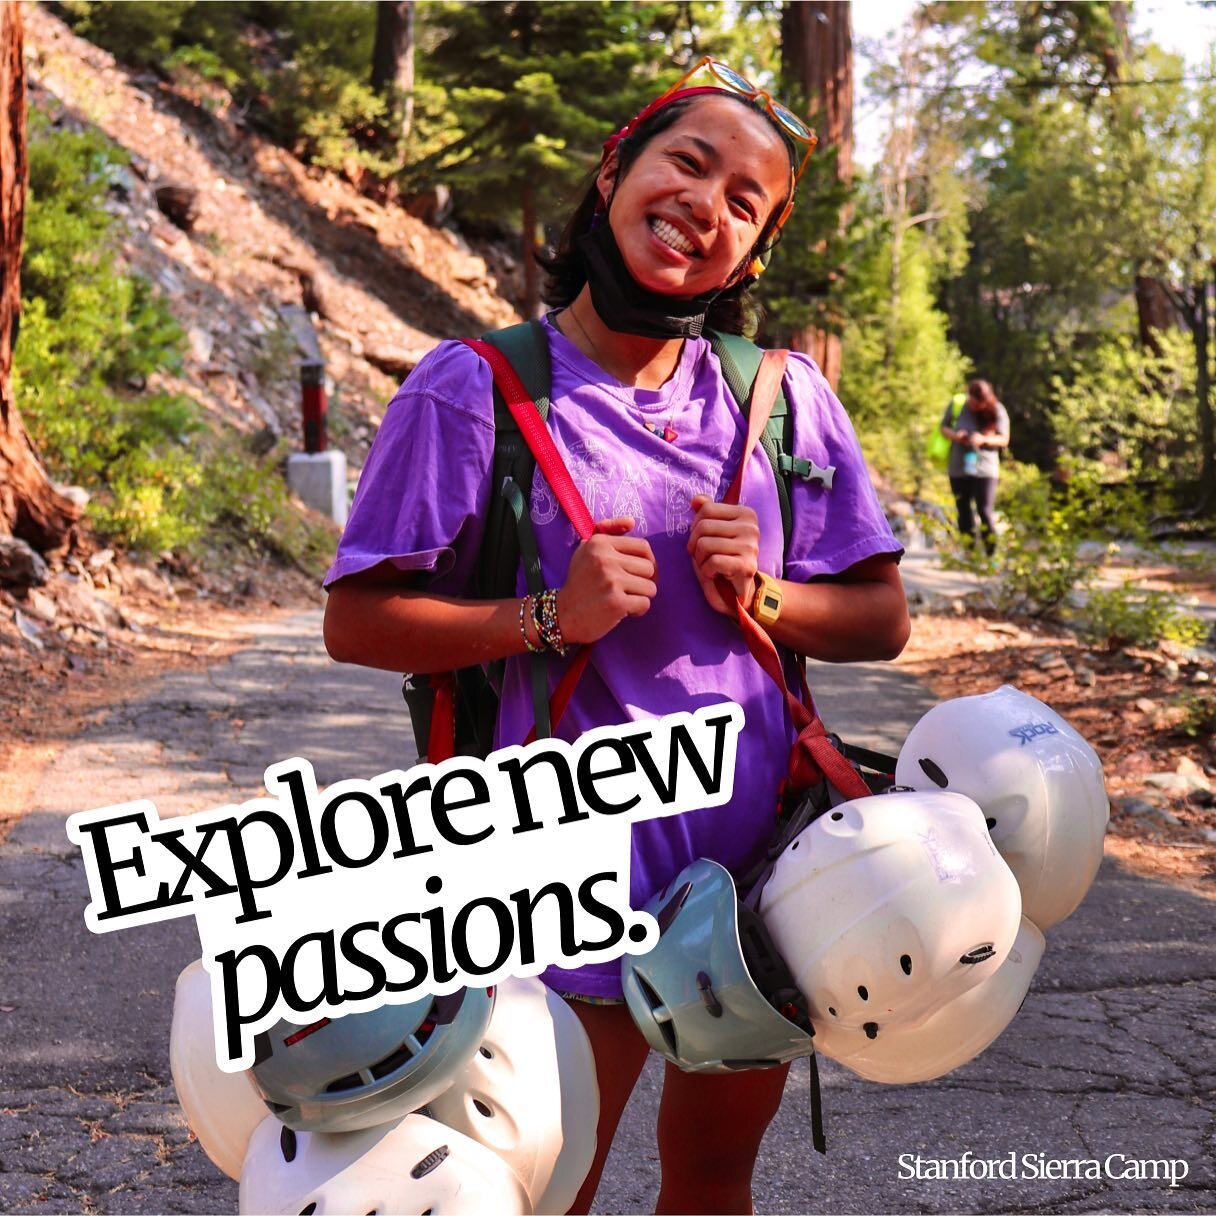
<point x="653" y="108"/>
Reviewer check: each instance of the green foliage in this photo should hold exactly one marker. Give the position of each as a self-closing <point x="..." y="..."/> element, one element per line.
<point x="136" y="31"/>
<point x="91" y="336"/>
<point x="802" y="285"/>
<point x="535" y="89"/>
<point x="1042" y="556"/>
<point x="900" y="367"/>
<point x="321" y="103"/>
<point x="1199" y="714"/>
<point x="1129" y="412"/>
<point x="1127" y="616"/>
<point x="88" y="331"/>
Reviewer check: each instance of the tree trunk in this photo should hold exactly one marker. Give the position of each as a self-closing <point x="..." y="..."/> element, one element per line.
<point x="1155" y="311"/>
<point x="1200" y="331"/>
<point x="393" y="59"/>
<point x="817" y="55"/>
<point x="30" y="507"/>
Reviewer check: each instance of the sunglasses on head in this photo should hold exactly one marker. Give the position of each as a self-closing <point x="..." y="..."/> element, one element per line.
<point x="728" y="78"/>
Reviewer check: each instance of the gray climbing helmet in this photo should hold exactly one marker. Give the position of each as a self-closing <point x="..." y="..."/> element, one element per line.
<point x="348" y="1073"/>
<point x="714" y="995"/>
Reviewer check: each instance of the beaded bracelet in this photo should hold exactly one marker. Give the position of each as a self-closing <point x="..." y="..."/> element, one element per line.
<point x="524" y="610"/>
<point x="544" y="614"/>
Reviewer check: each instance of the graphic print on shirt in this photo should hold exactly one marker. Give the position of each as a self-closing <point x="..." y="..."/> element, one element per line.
<point x="618" y="487"/>
<point x="681" y="486"/>
<point x="628" y="500"/>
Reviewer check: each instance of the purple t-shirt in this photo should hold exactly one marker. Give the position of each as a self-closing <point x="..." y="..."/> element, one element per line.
<point x="423" y="496"/>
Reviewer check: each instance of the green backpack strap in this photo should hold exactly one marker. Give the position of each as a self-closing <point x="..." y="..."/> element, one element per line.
<point x="527" y="348"/>
<point x="498" y="560"/>
<point x="740" y="361"/>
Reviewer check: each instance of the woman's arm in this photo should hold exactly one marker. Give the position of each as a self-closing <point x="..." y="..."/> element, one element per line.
<point x="857" y="615"/>
<point x="990" y="440"/>
<point x="379" y="618"/>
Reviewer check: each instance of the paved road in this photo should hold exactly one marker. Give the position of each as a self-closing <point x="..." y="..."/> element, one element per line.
<point x="1111" y="1054"/>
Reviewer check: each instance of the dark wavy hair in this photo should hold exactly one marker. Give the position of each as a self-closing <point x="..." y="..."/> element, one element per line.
<point x="983" y="402"/>
<point x="734" y="311"/>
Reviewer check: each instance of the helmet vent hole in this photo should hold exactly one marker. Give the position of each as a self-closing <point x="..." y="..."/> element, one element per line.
<point x="905" y="961"/>
<point x="934" y="773"/>
<point x="391" y="1062"/>
<point x="838" y="815"/>
<point x="654" y="1001"/>
<point x="990" y="822"/>
<point x="482" y="1108"/>
<point x="871" y="1029"/>
<point x="485" y="1051"/>
<point x="863" y="992"/>
<point x="308" y="1211"/>
<point x="287" y="1144"/>
<point x="832" y="1011"/>
<point x="794" y="846"/>
<point x="352" y="1080"/>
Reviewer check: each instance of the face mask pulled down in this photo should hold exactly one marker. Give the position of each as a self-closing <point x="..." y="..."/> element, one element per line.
<point x="627" y="307"/>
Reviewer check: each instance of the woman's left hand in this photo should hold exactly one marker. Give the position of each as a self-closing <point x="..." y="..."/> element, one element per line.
<point x="725" y="540"/>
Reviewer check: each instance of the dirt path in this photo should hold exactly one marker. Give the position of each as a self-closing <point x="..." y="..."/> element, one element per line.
<point x="1112" y="1054"/>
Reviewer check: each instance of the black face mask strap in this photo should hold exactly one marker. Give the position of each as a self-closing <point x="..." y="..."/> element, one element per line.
<point x="628" y="308"/>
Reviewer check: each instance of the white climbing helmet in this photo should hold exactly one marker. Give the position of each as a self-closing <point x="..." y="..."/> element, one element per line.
<point x="886" y="908"/>
<point x="530" y="1093"/>
<point x="221" y="1108"/>
<point x="954" y="1035"/>
<point x="1035" y="778"/>
<point x="415" y="1165"/>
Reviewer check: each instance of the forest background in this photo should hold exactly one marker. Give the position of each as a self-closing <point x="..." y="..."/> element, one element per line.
<point x="1042" y="214"/>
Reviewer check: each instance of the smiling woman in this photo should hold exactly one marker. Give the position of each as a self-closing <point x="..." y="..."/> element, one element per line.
<point x="672" y="233"/>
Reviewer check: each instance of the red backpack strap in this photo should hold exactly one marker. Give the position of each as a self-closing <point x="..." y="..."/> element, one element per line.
<point x="548" y="458"/>
<point x="536" y="436"/>
<point x="814" y="755"/>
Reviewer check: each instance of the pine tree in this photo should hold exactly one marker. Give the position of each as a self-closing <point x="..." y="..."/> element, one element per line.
<point x="536" y="88"/>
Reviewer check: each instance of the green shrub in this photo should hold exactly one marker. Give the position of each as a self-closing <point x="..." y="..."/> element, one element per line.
<point x="136" y="31"/>
<point x="92" y="335"/>
<point x="1199" y="708"/>
<point x="1125" y="616"/>
<point x="1046" y="551"/>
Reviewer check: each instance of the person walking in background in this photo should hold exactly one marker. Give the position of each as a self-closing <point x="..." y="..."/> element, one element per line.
<point x="977" y="432"/>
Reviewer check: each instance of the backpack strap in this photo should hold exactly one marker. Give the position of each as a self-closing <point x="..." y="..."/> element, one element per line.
<point x="527" y="350"/>
<point x="535" y="434"/>
<point x="740" y="361"/>
<point x="465" y="702"/>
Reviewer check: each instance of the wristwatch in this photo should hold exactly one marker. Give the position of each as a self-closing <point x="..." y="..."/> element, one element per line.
<point x="766" y="605"/>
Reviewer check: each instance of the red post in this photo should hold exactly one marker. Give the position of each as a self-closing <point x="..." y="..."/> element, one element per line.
<point x="312" y="389"/>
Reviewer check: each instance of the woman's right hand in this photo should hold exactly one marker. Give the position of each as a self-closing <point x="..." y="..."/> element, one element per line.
<point x="611" y="576"/>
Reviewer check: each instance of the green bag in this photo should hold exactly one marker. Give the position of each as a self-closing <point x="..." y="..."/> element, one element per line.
<point x="937" y="446"/>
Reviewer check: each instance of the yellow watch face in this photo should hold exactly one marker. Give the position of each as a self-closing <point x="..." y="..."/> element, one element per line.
<point x="767" y="606"/>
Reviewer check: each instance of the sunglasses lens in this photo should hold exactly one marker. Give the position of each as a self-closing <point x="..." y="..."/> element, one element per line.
<point x="790" y="121"/>
<point x="732" y="78"/>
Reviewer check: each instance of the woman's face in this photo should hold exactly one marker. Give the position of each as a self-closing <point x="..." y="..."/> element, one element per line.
<point x="694" y="203"/>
